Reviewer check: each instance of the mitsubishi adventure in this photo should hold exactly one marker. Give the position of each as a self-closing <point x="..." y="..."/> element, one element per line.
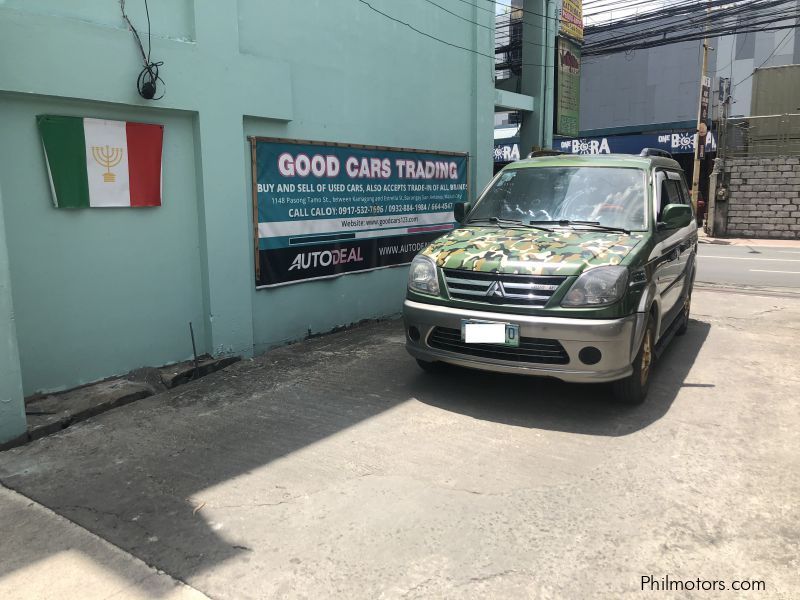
<point x="574" y="267"/>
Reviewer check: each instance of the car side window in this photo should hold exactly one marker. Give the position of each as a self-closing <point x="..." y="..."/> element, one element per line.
<point x="687" y="197"/>
<point x="669" y="194"/>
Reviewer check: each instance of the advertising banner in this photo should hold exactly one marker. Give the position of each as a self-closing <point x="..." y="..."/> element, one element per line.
<point x="323" y="210"/>
<point x="675" y="142"/>
<point x="506" y="150"/>
<point x="572" y="19"/>
<point x="506" y="143"/>
<point x="568" y="88"/>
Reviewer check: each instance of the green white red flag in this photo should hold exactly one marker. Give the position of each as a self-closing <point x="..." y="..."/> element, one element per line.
<point x="98" y="163"/>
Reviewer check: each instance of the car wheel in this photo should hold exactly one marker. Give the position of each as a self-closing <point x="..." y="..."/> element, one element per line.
<point x="633" y="389"/>
<point x="430" y="367"/>
<point x="687" y="307"/>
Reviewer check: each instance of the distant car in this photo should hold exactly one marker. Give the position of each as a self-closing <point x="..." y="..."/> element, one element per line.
<point x="574" y="267"/>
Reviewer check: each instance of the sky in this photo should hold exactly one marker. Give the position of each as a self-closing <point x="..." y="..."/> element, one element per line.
<point x="621" y="10"/>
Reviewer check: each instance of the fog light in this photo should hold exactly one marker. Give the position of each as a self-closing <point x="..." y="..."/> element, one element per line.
<point x="590" y="355"/>
<point x="413" y="333"/>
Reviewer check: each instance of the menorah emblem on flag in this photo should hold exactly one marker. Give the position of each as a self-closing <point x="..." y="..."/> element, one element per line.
<point x="107" y="157"/>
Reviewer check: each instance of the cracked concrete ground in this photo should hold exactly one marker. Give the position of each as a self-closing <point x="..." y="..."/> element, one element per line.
<point x="335" y="468"/>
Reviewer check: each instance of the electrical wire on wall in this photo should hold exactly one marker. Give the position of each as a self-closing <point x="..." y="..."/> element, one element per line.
<point x="147" y="82"/>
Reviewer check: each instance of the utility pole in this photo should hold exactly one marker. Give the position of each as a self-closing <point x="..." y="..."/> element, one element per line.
<point x="717" y="174"/>
<point x="702" y="115"/>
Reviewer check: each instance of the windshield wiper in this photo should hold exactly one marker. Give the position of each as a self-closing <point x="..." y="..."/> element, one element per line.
<point x="508" y="223"/>
<point x="595" y="224"/>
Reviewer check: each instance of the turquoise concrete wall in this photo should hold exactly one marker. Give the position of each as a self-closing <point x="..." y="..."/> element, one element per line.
<point x="177" y="22"/>
<point x="363" y="79"/>
<point x="98" y="292"/>
<point x="329" y="70"/>
<point x="12" y="408"/>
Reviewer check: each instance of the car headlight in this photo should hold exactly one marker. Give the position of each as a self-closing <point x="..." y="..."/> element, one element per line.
<point x="597" y="287"/>
<point x="422" y="276"/>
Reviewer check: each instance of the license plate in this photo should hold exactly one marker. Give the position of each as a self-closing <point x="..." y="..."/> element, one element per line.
<point x="483" y="332"/>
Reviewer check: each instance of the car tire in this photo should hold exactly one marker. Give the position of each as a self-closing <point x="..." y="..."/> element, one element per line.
<point x="687" y="308"/>
<point x="430" y="367"/>
<point x="633" y="389"/>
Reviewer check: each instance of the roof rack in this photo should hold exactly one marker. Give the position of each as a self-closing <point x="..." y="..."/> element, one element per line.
<point x="545" y="152"/>
<point x="655" y="152"/>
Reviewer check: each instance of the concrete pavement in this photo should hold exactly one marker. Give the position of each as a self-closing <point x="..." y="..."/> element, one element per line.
<point x="43" y="555"/>
<point x="335" y="468"/>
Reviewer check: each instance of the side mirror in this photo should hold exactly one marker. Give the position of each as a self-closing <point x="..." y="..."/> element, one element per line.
<point x="460" y="210"/>
<point x="676" y="216"/>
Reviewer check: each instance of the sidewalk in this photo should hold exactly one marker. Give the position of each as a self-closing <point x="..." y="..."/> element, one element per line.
<point x="705" y="239"/>
<point x="47" y="556"/>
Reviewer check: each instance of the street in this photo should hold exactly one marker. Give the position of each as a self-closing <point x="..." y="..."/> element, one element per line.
<point x="336" y="468"/>
<point x="776" y="266"/>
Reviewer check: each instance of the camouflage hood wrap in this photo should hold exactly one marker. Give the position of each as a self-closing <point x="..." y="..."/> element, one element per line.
<point x="530" y="251"/>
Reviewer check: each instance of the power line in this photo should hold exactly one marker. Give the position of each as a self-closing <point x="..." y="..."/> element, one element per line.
<point x="468" y="20"/>
<point x="684" y="38"/>
<point x="515" y="8"/>
<point x="680" y="23"/>
<point x="723" y="9"/>
<point x="678" y="10"/>
<point x="437" y="39"/>
<point x="427" y="35"/>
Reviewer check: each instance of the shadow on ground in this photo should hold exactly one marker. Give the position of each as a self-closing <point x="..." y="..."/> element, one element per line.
<point x="553" y="405"/>
<point x="128" y="475"/>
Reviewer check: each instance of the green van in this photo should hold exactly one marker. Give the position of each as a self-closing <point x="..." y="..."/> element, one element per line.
<point x="574" y="267"/>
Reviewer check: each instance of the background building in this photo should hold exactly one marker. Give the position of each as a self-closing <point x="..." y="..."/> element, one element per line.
<point x="640" y="79"/>
<point x="738" y="56"/>
<point x="100" y="292"/>
<point x="640" y="87"/>
<point x="525" y="46"/>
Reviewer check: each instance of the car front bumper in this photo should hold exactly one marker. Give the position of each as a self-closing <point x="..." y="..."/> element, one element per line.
<point x="616" y="339"/>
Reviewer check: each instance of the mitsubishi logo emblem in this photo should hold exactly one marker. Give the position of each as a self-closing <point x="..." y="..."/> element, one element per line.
<point x="496" y="290"/>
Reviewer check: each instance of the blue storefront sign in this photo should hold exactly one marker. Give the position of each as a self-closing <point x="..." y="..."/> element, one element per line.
<point x="675" y="142"/>
<point x="328" y="209"/>
<point x="506" y="144"/>
<point x="506" y="150"/>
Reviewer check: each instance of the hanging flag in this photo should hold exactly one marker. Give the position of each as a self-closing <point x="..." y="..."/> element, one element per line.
<point x="97" y="163"/>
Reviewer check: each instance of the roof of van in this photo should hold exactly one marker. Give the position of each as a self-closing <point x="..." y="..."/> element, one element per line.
<point x="630" y="161"/>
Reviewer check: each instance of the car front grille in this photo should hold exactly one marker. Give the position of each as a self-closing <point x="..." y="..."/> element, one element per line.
<point x="530" y="350"/>
<point x="502" y="288"/>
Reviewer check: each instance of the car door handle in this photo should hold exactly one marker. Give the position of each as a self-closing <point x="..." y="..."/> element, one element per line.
<point x="674" y="255"/>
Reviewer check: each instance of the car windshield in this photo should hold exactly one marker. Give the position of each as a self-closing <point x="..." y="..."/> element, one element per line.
<point x="605" y="196"/>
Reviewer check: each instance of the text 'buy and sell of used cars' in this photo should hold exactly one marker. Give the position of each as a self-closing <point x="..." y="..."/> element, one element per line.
<point x="574" y="267"/>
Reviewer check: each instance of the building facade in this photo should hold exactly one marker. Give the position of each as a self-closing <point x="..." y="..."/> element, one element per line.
<point x="524" y="68"/>
<point x="648" y="98"/>
<point x="87" y="294"/>
<point x="655" y="91"/>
